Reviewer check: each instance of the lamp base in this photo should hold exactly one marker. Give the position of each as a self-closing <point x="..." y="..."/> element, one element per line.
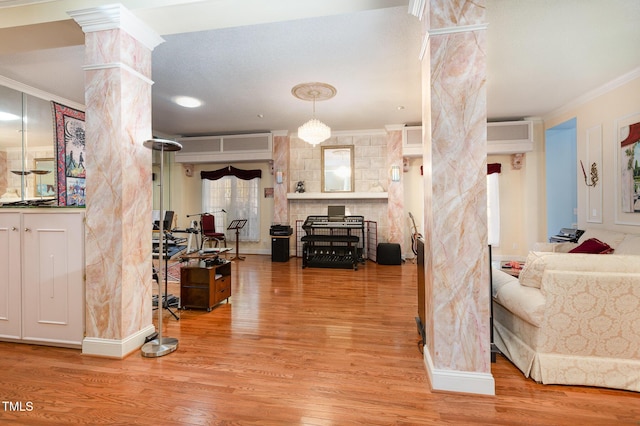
<point x="156" y="348"/>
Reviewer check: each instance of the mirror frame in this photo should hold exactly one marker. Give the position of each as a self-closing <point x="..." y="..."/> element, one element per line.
<point x="327" y="152"/>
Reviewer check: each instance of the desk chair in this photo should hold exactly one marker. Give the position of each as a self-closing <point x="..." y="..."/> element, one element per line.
<point x="208" y="231"/>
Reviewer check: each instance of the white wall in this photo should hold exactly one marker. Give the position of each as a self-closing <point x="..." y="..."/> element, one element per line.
<point x="598" y="117"/>
<point x="522" y="201"/>
<point x="413" y="201"/>
<point x="522" y="193"/>
<point x="186" y="199"/>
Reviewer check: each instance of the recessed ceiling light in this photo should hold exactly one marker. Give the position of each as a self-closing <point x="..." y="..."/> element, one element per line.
<point x="5" y="116"/>
<point x="187" y="102"/>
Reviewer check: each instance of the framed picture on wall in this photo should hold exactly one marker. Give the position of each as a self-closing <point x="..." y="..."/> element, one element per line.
<point x="71" y="155"/>
<point x="627" y="156"/>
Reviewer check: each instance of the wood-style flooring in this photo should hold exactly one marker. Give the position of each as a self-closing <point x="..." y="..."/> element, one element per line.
<point x="293" y="347"/>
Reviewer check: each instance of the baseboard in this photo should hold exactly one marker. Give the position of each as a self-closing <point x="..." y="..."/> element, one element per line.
<point x="458" y="381"/>
<point x="109" y="348"/>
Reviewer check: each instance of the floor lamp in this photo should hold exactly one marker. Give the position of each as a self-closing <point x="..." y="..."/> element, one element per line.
<point x="160" y="346"/>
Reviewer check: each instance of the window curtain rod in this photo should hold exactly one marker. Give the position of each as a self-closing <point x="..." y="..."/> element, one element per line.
<point x="231" y="171"/>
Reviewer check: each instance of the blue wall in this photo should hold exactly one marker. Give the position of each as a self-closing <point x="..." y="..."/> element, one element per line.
<point x="561" y="172"/>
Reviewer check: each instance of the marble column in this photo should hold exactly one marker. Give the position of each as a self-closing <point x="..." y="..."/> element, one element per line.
<point x="457" y="351"/>
<point x="281" y="165"/>
<point x="118" y="201"/>
<point x="395" y="205"/>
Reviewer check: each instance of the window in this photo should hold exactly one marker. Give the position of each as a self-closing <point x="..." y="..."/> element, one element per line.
<point x="239" y="199"/>
<point x="493" y="209"/>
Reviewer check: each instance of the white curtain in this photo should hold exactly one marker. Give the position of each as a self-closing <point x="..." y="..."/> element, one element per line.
<point x="493" y="208"/>
<point x="240" y="199"/>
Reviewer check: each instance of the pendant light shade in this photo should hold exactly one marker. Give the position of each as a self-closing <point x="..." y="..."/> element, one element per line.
<point x="314" y="132"/>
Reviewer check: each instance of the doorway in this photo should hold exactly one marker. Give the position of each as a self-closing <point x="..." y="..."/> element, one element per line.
<point x="561" y="180"/>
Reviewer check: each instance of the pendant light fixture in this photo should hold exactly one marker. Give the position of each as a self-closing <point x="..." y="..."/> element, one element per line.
<point x="314" y="131"/>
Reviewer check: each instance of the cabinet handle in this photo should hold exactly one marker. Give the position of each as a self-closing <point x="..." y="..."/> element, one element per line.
<point x="27" y="229"/>
<point x="13" y="228"/>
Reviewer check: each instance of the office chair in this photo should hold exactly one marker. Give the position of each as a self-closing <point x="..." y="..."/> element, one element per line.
<point x="208" y="231"/>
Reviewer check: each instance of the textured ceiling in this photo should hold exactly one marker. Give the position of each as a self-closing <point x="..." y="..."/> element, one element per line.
<point x="541" y="55"/>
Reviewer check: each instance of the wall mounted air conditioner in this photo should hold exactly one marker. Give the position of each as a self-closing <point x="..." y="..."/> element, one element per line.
<point x="223" y="149"/>
<point x="509" y="137"/>
<point x="412" y="141"/>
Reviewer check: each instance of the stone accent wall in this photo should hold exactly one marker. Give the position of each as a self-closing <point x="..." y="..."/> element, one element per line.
<point x="371" y="175"/>
<point x="370" y="158"/>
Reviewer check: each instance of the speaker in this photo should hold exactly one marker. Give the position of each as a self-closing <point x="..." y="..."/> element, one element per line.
<point x="280" y="249"/>
<point x="389" y="254"/>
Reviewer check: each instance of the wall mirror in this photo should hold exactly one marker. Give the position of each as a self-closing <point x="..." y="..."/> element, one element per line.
<point x="44" y="170"/>
<point x="337" y="168"/>
<point x="26" y="141"/>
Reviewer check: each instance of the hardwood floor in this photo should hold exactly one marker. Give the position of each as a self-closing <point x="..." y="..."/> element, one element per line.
<point x="293" y="347"/>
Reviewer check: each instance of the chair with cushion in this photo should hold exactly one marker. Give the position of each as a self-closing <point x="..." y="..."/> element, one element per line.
<point x="208" y="231"/>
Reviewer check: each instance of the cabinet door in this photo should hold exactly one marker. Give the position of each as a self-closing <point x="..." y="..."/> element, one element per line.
<point x="10" y="277"/>
<point x="53" y="277"/>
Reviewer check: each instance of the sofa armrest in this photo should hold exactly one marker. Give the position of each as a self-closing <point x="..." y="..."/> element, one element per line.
<point x="591" y="313"/>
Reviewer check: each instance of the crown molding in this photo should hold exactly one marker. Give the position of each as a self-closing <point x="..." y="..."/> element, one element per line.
<point x="457" y="29"/>
<point x="116" y="16"/>
<point x="590" y="96"/>
<point x="447" y="31"/>
<point x="416" y="8"/>
<point x="120" y="65"/>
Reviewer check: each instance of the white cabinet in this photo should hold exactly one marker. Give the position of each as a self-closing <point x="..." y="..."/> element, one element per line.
<point x="10" y="276"/>
<point x="42" y="286"/>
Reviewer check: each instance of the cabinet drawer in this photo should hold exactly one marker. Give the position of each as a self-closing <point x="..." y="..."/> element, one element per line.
<point x="195" y="276"/>
<point x="223" y="288"/>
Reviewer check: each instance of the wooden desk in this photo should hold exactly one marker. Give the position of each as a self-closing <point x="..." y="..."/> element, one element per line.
<point x="205" y="255"/>
<point x="203" y="287"/>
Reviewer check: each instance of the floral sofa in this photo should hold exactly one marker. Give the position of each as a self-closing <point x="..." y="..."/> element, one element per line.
<point x="573" y="318"/>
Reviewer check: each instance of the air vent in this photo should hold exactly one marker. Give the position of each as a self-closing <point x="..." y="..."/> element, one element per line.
<point x="509" y="137"/>
<point x="412" y="141"/>
<point x="220" y="149"/>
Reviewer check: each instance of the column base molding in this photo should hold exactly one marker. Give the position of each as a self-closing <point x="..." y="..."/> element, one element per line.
<point x="458" y="381"/>
<point x="110" y="348"/>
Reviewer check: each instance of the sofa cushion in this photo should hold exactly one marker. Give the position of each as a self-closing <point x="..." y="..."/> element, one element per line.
<point x="610" y="237"/>
<point x="531" y="274"/>
<point x="524" y="302"/>
<point x="593" y="246"/>
<point x="629" y="245"/>
<point x="499" y="279"/>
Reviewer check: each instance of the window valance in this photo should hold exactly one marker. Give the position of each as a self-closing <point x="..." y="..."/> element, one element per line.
<point x="494" y="168"/>
<point x="634" y="135"/>
<point x="231" y="171"/>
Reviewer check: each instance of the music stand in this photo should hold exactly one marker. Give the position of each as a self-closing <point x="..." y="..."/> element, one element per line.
<point x="237" y="224"/>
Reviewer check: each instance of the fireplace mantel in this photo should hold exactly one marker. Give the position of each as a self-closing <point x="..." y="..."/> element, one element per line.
<point x="337" y="195"/>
